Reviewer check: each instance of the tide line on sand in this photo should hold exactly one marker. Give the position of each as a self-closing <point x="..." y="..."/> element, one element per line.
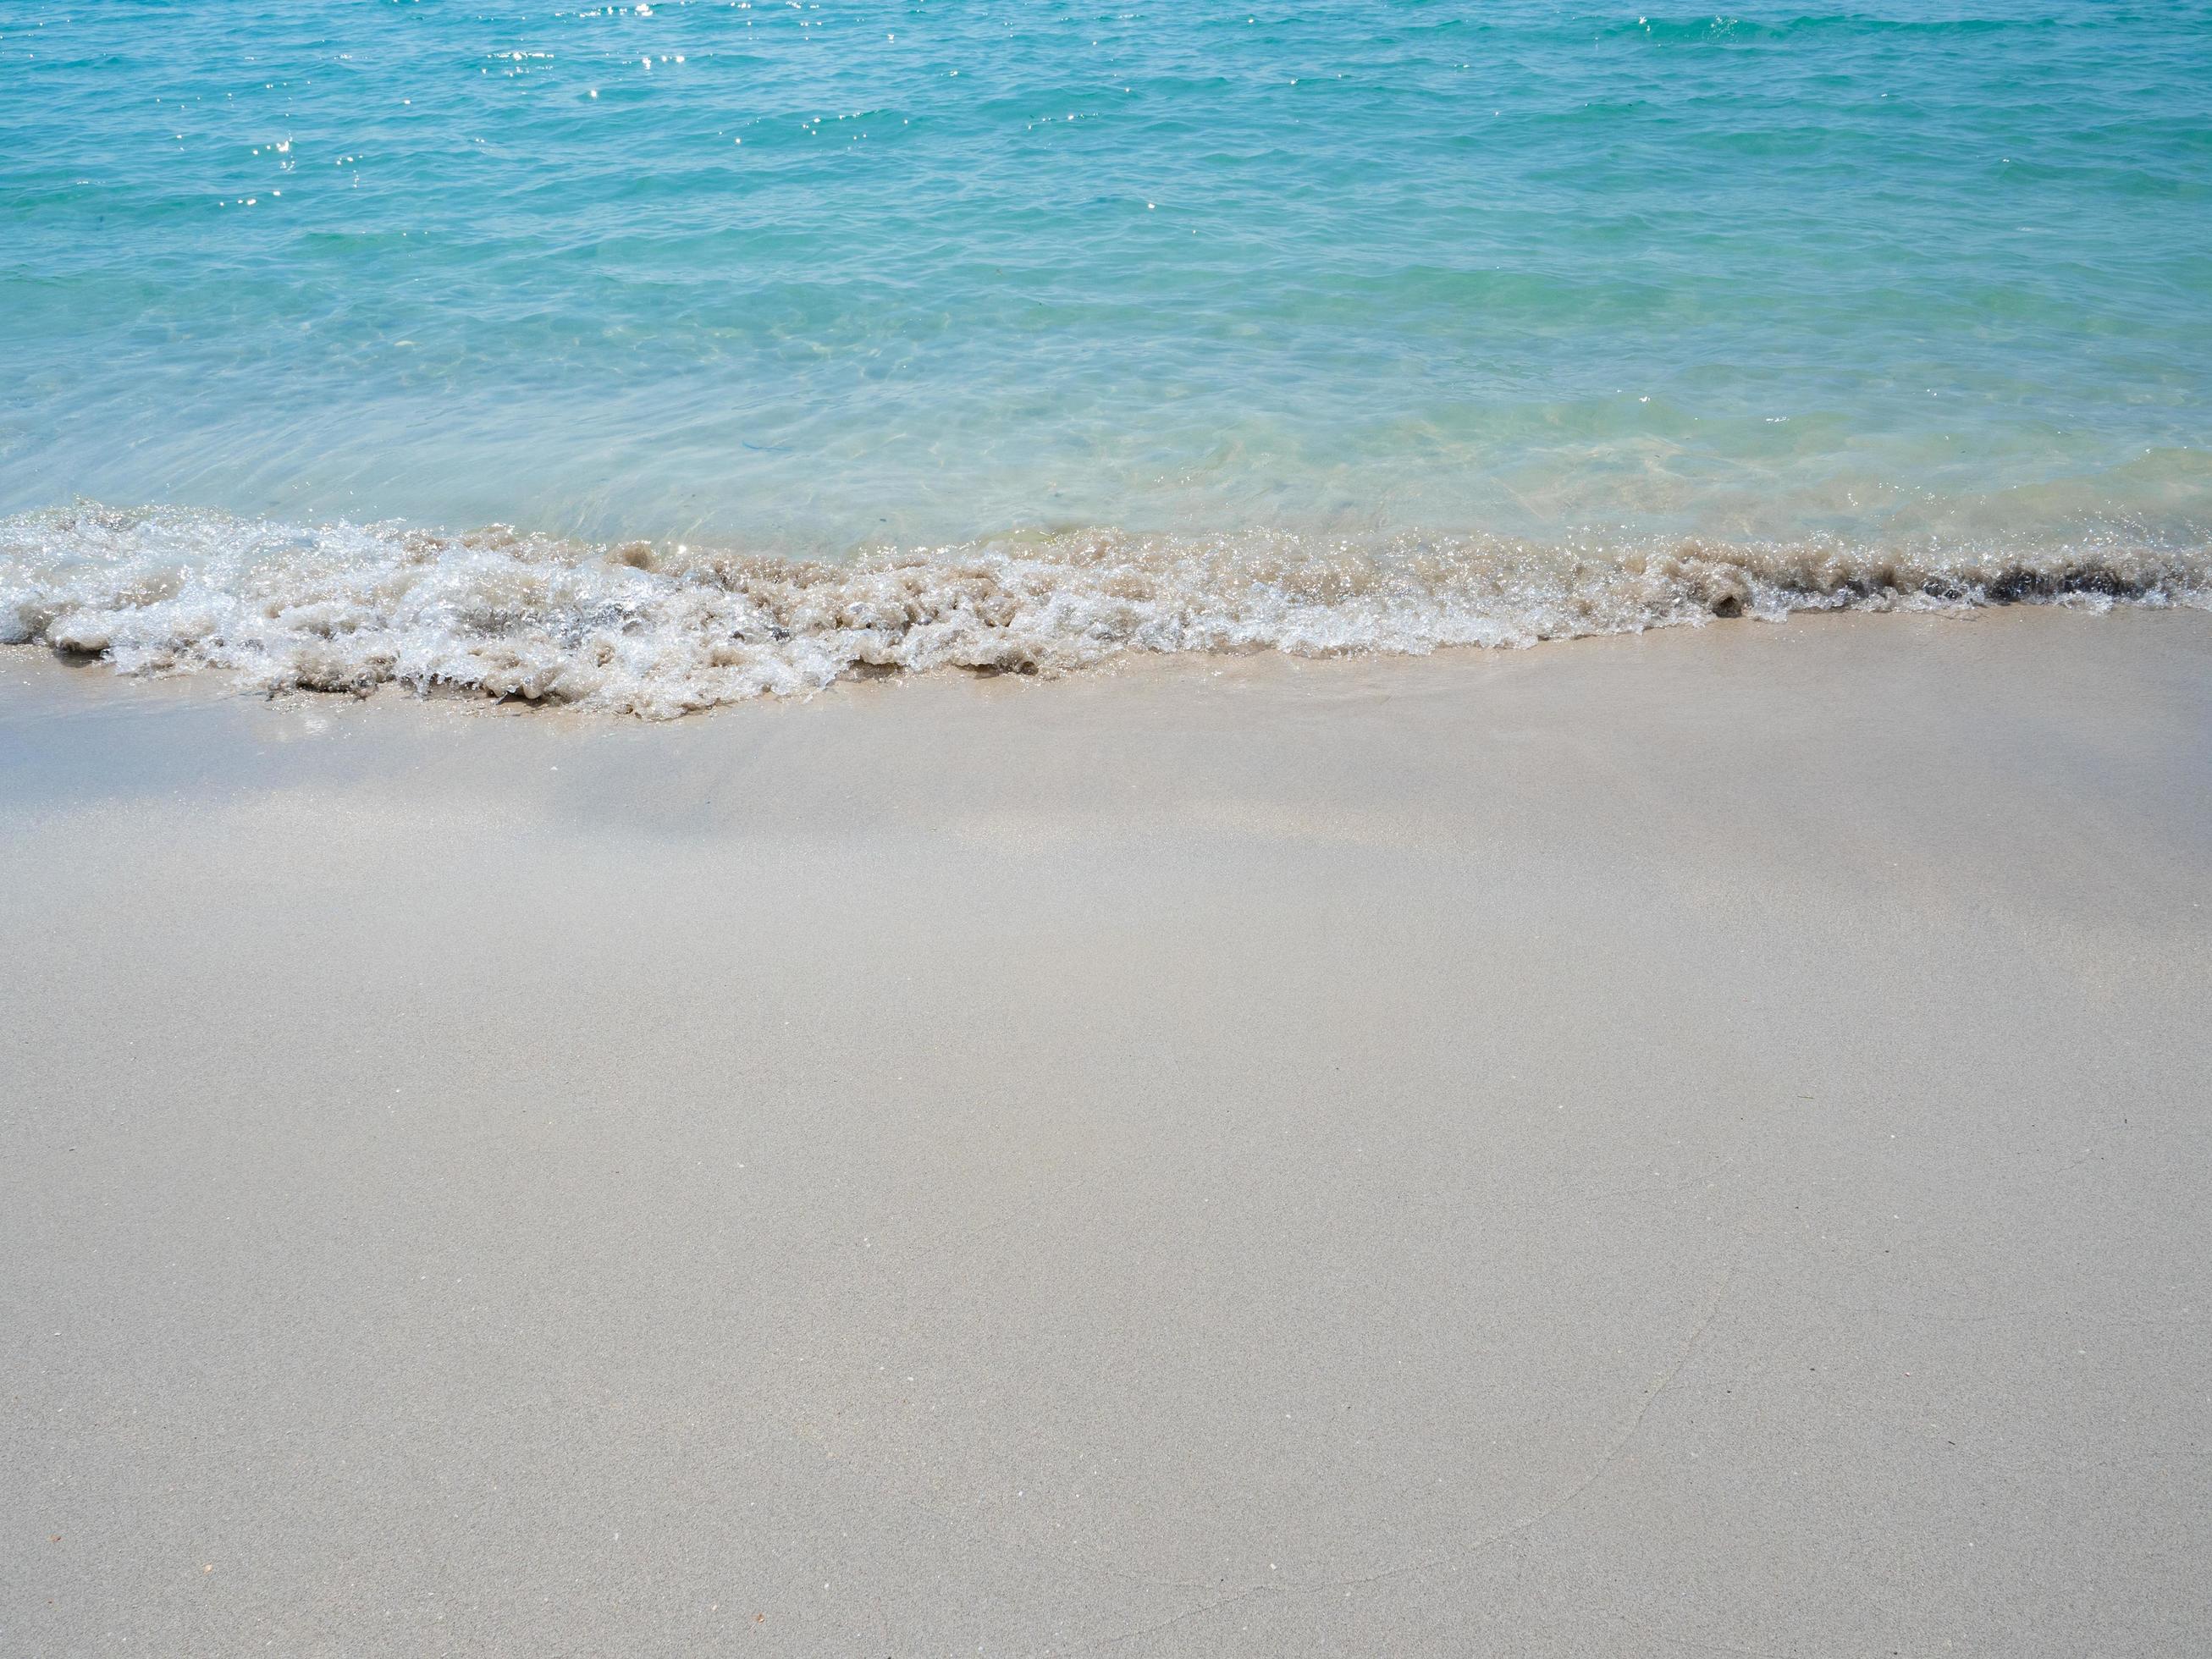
<point x="658" y="630"/>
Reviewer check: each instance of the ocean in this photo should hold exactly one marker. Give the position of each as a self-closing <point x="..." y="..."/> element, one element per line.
<point x="654" y="356"/>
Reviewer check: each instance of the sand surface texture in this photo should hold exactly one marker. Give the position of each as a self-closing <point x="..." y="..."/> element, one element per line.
<point x="1696" y="1144"/>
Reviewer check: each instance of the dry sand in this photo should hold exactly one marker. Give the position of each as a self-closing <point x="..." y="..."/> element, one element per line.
<point x="1688" y="1143"/>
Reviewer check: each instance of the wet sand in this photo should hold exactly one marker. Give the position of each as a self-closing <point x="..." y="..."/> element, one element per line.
<point x="1697" y="1142"/>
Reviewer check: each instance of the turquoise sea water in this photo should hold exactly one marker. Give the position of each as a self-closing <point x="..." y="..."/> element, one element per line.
<point x="1227" y="287"/>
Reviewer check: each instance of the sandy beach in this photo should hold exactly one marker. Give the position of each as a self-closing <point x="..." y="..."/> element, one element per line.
<point x="1695" y="1143"/>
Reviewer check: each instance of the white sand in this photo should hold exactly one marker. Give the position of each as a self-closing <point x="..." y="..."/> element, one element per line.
<point x="1691" y="1144"/>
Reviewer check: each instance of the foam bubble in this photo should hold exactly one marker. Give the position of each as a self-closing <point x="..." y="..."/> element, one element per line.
<point x="657" y="631"/>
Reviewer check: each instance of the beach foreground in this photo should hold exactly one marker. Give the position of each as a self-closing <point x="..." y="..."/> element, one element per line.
<point x="1692" y="1143"/>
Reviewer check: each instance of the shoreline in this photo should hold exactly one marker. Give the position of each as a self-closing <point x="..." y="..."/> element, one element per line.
<point x="1682" y="1141"/>
<point x="662" y="631"/>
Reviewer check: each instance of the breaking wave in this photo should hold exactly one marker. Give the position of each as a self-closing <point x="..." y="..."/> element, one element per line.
<point x="658" y="630"/>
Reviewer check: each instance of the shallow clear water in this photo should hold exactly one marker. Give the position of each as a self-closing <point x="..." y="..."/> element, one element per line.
<point x="802" y="278"/>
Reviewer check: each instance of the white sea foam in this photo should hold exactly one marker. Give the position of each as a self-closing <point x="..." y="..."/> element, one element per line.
<point x="659" y="630"/>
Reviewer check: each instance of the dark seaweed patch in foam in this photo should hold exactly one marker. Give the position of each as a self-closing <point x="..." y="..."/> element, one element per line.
<point x="656" y="631"/>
